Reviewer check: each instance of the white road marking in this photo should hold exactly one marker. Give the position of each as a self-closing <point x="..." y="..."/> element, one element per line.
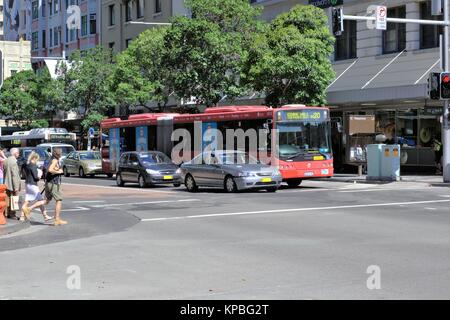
<point x="427" y="208"/>
<point x="93" y="201"/>
<point x="138" y="203"/>
<point x="121" y="188"/>
<point x="381" y="189"/>
<point x="292" y="210"/>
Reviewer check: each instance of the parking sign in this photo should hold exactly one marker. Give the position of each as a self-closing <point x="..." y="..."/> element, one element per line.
<point x="381" y="21"/>
<point x="91" y="132"/>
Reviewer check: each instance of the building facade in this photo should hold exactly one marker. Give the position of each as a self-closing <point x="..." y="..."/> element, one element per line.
<point x="380" y="90"/>
<point x="118" y="18"/>
<point x="16" y="22"/>
<point x="2" y="37"/>
<point x="59" y="27"/>
<point x="16" y="57"/>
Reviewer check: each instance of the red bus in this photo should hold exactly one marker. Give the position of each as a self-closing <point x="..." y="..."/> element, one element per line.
<point x="302" y="137"/>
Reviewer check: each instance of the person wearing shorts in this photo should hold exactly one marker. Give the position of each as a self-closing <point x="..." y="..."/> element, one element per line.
<point x="53" y="185"/>
<point x="33" y="194"/>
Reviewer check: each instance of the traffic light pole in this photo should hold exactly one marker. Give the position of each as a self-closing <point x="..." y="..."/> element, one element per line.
<point x="338" y="26"/>
<point x="445" y="124"/>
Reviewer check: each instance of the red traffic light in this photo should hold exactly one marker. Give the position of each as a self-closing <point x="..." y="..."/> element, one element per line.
<point x="446" y="79"/>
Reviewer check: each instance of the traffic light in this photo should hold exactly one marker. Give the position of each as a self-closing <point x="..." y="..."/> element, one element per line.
<point x="434" y="86"/>
<point x="338" y="21"/>
<point x="445" y="85"/>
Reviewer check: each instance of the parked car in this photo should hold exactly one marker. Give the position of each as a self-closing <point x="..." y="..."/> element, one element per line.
<point x="147" y="168"/>
<point x="23" y="158"/>
<point x="230" y="170"/>
<point x="83" y="163"/>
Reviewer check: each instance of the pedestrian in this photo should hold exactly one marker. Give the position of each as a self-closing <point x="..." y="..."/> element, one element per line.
<point x="2" y="160"/>
<point x="12" y="181"/>
<point x="53" y="185"/>
<point x="32" y="177"/>
<point x="437" y="147"/>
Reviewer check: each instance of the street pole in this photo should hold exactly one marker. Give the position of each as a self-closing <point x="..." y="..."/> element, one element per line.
<point x="445" y="124"/>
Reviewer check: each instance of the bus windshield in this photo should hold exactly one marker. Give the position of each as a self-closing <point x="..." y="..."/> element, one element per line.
<point x="299" y="139"/>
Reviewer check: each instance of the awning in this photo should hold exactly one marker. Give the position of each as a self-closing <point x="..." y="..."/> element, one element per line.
<point x="383" y="78"/>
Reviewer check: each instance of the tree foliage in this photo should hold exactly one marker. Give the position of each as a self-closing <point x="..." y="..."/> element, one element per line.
<point x="21" y="98"/>
<point x="289" y="62"/>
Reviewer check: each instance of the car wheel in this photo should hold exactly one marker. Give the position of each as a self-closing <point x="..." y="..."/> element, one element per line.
<point x="142" y="183"/>
<point x="191" y="186"/>
<point x="273" y="189"/>
<point x="293" y="183"/>
<point x="230" y="184"/>
<point x="66" y="172"/>
<point x="81" y="173"/>
<point x="109" y="175"/>
<point x="119" y="180"/>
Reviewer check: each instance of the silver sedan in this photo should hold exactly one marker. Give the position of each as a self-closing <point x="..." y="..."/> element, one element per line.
<point x="230" y="170"/>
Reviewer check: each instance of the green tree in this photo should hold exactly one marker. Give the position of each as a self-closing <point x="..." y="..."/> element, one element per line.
<point x="289" y="62"/>
<point x="205" y="54"/>
<point x="139" y="75"/>
<point x="20" y="98"/>
<point x="85" y="85"/>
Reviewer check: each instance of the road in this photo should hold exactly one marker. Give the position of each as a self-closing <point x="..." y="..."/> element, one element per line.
<point x="313" y="242"/>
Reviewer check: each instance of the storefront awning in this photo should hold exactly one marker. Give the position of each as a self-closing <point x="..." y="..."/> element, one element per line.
<point x="383" y="78"/>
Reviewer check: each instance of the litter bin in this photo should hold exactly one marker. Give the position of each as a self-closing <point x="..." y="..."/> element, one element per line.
<point x="383" y="162"/>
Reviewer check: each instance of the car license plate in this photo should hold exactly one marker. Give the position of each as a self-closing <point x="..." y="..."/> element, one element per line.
<point x="309" y="174"/>
<point x="317" y="158"/>
<point x="266" y="180"/>
<point x="168" y="178"/>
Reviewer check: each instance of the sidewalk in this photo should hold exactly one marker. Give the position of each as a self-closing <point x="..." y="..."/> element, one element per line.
<point x="432" y="180"/>
<point x="12" y="226"/>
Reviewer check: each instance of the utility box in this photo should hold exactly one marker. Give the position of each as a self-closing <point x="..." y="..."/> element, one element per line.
<point x="374" y="161"/>
<point x="383" y="162"/>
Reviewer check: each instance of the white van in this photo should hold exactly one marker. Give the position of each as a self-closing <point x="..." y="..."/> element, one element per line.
<point x="66" y="148"/>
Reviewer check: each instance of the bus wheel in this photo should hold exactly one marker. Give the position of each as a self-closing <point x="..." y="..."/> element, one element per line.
<point x="293" y="183"/>
<point x="66" y="173"/>
<point x="81" y="173"/>
<point x="119" y="180"/>
<point x="191" y="186"/>
<point x="230" y="185"/>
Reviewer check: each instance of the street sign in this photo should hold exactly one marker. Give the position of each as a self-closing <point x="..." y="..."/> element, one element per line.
<point x="326" y="3"/>
<point x="433" y="111"/>
<point x="381" y="19"/>
<point x="91" y="132"/>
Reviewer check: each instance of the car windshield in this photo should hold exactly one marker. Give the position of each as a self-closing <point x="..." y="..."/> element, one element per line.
<point x="229" y="158"/>
<point x="65" y="150"/>
<point x="41" y="152"/>
<point x="297" y="139"/>
<point x="89" y="155"/>
<point x="149" y="159"/>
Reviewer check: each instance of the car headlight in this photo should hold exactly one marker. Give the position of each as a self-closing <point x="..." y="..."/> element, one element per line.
<point x="246" y="174"/>
<point x="150" y="171"/>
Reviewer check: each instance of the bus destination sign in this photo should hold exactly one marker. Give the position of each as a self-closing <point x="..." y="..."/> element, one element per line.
<point x="302" y="115"/>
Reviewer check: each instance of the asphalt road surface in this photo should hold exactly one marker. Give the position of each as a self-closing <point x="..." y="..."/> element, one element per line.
<point x="322" y="240"/>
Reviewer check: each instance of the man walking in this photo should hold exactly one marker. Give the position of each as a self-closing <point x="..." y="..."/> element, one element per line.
<point x="12" y="181"/>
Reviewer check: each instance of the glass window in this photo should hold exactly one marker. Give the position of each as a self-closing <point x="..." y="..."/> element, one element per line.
<point x="44" y="39"/>
<point x="429" y="35"/>
<point x="128" y="8"/>
<point x="35" y="10"/>
<point x="112" y="15"/>
<point x="140" y="8"/>
<point x="394" y="37"/>
<point x="89" y="155"/>
<point x="407" y="127"/>
<point x="55" y="37"/>
<point x="35" y="40"/>
<point x="133" y="159"/>
<point x="149" y="159"/>
<point x="93" y="23"/>
<point x="84" y="26"/>
<point x="345" y="47"/>
<point x="124" y="159"/>
<point x="158" y="6"/>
